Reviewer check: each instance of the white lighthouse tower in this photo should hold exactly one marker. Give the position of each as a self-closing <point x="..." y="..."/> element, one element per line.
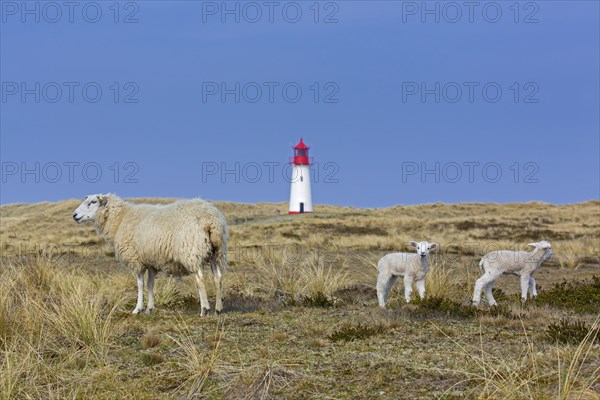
<point x="300" y="193"/>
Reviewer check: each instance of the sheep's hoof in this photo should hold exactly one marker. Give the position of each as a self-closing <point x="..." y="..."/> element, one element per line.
<point x="217" y="312"/>
<point x="149" y="310"/>
<point x="204" y="312"/>
<point x="136" y="311"/>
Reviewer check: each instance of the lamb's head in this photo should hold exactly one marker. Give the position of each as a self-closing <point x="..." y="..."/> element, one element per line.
<point x="89" y="207"/>
<point x="423" y="248"/>
<point x="544" y="246"/>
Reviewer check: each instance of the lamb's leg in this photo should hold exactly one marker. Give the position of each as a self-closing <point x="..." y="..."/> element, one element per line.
<point x="140" y="299"/>
<point x="204" y="304"/>
<point x="479" y="284"/>
<point x="385" y="283"/>
<point x="486" y="281"/>
<point x="532" y="289"/>
<point x="408" y="282"/>
<point x="218" y="278"/>
<point x="524" y="286"/>
<point x="488" y="293"/>
<point x="150" y="289"/>
<point x="421" y="288"/>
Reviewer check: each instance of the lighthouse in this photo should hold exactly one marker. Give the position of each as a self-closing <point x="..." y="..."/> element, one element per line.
<point x="300" y="193"/>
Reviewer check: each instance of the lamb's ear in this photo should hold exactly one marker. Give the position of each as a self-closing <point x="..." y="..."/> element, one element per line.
<point x="103" y="200"/>
<point x="434" y="246"/>
<point x="533" y="244"/>
<point x="412" y="244"/>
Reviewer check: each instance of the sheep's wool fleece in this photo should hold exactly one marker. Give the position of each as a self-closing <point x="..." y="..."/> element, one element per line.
<point x="402" y="264"/>
<point x="514" y="261"/>
<point x="176" y="238"/>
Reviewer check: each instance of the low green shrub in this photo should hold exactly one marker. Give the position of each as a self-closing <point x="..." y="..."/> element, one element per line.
<point x="349" y="332"/>
<point x="580" y="296"/>
<point x="568" y="332"/>
<point x="441" y="305"/>
<point x="318" y="300"/>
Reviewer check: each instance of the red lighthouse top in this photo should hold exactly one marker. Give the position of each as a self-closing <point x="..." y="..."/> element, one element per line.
<point x="301" y="153"/>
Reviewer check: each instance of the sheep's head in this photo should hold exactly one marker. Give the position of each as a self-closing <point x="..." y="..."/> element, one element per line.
<point x="545" y="246"/>
<point x="90" y="206"/>
<point x="423" y="248"/>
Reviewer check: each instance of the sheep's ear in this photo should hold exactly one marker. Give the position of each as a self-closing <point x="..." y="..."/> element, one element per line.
<point x="412" y="244"/>
<point x="434" y="246"/>
<point x="533" y="244"/>
<point x="103" y="200"/>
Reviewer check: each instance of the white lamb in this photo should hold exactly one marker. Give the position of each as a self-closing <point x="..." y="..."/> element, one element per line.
<point x="178" y="238"/>
<point x="520" y="263"/>
<point x="412" y="267"/>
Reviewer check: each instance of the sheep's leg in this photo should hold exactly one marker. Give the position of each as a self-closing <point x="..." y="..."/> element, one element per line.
<point x="421" y="288"/>
<point x="488" y="293"/>
<point x="532" y="289"/>
<point x="140" y="298"/>
<point x="479" y="284"/>
<point x="486" y="281"/>
<point x="524" y="286"/>
<point x="150" y="289"/>
<point x="204" y="304"/>
<point x="385" y="283"/>
<point x="408" y="283"/>
<point x="218" y="278"/>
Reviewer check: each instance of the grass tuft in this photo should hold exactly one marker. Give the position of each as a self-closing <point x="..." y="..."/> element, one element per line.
<point x="321" y="279"/>
<point x="150" y="340"/>
<point x="149" y="359"/>
<point x="444" y="281"/>
<point x="197" y="362"/>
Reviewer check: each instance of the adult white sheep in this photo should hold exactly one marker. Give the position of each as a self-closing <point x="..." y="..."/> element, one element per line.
<point x="520" y="263"/>
<point x="178" y="238"/>
<point x="412" y="267"/>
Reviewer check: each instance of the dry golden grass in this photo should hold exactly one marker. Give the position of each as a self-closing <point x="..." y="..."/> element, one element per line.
<point x="531" y="374"/>
<point x="198" y="363"/>
<point x="50" y="313"/>
<point x="66" y="330"/>
<point x="573" y="253"/>
<point x="445" y="281"/>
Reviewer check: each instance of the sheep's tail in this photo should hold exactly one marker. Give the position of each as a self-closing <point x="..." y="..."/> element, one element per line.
<point x="481" y="265"/>
<point x="217" y="233"/>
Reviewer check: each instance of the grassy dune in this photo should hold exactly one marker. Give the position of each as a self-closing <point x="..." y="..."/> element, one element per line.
<point x="301" y="319"/>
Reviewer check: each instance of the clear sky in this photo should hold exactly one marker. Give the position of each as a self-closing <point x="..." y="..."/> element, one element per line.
<point x="402" y="102"/>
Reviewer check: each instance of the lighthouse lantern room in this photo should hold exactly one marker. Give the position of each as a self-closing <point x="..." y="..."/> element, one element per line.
<point x="300" y="193"/>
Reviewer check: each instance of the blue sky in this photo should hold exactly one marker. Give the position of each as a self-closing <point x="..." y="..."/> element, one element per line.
<point x="494" y="104"/>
